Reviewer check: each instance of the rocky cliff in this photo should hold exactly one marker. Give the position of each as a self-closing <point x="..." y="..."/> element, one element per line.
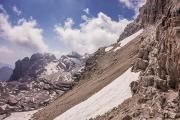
<point x="156" y="94"/>
<point x="158" y="86"/>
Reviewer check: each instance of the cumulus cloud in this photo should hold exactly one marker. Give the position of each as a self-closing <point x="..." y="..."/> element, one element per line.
<point x="134" y="5"/>
<point x="69" y="22"/>
<point x="5" y="50"/>
<point x="93" y="33"/>
<point x="16" y="10"/>
<point x="22" y="38"/>
<point x="6" y="54"/>
<point x="9" y="54"/>
<point x="25" y="33"/>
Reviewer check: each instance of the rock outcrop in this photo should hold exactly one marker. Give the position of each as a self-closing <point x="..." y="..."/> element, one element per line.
<point x="159" y="82"/>
<point x="39" y="80"/>
<point x="159" y="61"/>
<point x="156" y="94"/>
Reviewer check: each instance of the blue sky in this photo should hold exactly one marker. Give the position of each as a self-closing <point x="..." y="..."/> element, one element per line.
<point x="47" y="20"/>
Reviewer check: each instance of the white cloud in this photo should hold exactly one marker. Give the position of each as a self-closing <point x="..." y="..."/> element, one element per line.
<point x="134" y="5"/>
<point x="86" y="10"/>
<point x="4" y="50"/>
<point x="69" y="23"/>
<point x="92" y="33"/>
<point x="16" y="10"/>
<point x="9" y="54"/>
<point x="58" y="53"/>
<point x="25" y="33"/>
<point x="24" y="38"/>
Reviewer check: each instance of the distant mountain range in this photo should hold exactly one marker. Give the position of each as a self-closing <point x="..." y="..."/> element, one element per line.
<point x="39" y="80"/>
<point x="6" y="71"/>
<point x="6" y="65"/>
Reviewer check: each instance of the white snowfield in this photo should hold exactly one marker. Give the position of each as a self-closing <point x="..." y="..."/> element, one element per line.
<point x="103" y="101"/>
<point x="128" y="39"/>
<point x="21" y="115"/>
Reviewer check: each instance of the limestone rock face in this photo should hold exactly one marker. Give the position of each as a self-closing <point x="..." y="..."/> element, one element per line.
<point x="153" y="11"/>
<point x="158" y="85"/>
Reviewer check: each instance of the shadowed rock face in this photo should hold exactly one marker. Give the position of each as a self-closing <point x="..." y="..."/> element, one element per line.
<point x="29" y="66"/>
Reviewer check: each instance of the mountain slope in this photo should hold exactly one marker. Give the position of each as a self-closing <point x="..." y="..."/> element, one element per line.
<point x="155" y="94"/>
<point x="101" y="102"/>
<point x="100" y="70"/>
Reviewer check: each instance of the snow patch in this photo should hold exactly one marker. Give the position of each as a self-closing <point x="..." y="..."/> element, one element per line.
<point x="51" y="68"/>
<point x="21" y="115"/>
<point x="117" y="48"/>
<point x="103" y="101"/>
<point x="108" y="48"/>
<point x="130" y="38"/>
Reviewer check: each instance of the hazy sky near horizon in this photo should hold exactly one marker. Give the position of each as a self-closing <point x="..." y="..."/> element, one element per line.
<point x="61" y="26"/>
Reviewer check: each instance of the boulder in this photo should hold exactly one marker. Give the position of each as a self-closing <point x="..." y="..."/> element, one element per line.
<point x="143" y="54"/>
<point x="148" y="80"/>
<point x="12" y="100"/>
<point x="140" y="64"/>
<point x="161" y="84"/>
<point x="134" y="87"/>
